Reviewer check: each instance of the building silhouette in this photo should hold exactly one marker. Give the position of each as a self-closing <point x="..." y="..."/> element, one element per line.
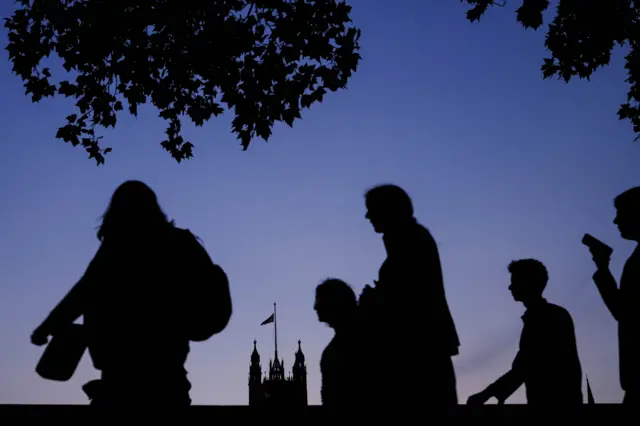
<point x="274" y="388"/>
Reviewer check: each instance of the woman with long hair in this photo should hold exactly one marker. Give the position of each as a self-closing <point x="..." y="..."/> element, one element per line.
<point x="150" y="289"/>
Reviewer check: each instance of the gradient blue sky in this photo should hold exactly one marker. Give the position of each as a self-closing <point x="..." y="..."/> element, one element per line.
<point x="500" y="164"/>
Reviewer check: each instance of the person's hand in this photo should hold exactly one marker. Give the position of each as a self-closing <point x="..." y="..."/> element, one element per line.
<point x="367" y="291"/>
<point x="40" y="336"/>
<point x="366" y="295"/>
<point x="600" y="259"/>
<point x="478" y="399"/>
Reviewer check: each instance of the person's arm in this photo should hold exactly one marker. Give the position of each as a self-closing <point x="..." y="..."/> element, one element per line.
<point x="69" y="309"/>
<point x="502" y="388"/>
<point x="72" y="306"/>
<point x="506" y="385"/>
<point x="609" y="291"/>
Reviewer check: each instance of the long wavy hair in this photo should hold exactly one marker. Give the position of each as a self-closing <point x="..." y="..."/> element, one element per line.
<point x="133" y="207"/>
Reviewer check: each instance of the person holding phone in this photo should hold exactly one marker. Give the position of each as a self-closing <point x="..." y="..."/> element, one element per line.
<point x="624" y="302"/>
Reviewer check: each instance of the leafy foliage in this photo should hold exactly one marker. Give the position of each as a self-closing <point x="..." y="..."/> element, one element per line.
<point x="265" y="59"/>
<point x="581" y="38"/>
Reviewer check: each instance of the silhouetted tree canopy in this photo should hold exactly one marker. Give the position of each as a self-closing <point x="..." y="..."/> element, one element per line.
<point x="581" y="38"/>
<point x="264" y="59"/>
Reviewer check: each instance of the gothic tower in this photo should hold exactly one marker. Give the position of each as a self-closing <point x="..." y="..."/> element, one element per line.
<point x="276" y="369"/>
<point x="300" y="375"/>
<point x="276" y="389"/>
<point x="255" y="377"/>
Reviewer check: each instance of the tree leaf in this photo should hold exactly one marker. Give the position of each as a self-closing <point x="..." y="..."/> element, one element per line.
<point x="259" y="61"/>
<point x="581" y="38"/>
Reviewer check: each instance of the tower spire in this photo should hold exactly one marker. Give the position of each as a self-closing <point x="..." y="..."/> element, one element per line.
<point x="255" y="376"/>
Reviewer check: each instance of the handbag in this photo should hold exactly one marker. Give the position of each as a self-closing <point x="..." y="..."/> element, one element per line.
<point x="62" y="355"/>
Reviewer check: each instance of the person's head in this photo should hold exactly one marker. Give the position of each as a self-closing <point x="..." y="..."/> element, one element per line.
<point x="133" y="208"/>
<point x="529" y="278"/>
<point x="388" y="206"/>
<point x="335" y="302"/>
<point x="627" y="217"/>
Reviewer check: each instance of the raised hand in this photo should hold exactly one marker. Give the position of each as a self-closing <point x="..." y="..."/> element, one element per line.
<point x="600" y="258"/>
<point x="39" y="337"/>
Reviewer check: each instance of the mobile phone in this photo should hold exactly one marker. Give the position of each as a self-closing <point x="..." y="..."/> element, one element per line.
<point x="596" y="245"/>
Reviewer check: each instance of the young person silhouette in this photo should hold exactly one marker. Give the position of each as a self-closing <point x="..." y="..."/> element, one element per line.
<point x="150" y="289"/>
<point x="547" y="362"/>
<point x="340" y="364"/>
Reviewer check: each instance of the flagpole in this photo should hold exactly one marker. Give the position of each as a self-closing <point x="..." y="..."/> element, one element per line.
<point x="275" y="328"/>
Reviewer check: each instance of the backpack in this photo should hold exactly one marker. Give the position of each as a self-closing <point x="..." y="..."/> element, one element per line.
<point x="204" y="286"/>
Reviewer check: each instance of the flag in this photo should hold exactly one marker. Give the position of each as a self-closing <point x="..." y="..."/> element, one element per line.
<point x="268" y="320"/>
<point x="590" y="399"/>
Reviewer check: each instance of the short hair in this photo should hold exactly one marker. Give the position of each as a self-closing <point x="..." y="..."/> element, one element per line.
<point x="337" y="291"/>
<point x="628" y="200"/>
<point x="390" y="198"/>
<point x="533" y="269"/>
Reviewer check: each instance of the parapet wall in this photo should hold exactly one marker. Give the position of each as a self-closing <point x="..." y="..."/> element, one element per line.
<point x="218" y="415"/>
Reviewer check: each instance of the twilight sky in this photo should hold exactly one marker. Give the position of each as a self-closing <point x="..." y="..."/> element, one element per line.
<point x="500" y="165"/>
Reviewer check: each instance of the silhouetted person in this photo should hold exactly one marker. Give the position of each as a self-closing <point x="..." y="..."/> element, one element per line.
<point x="336" y="306"/>
<point x="407" y="315"/>
<point x="547" y="362"/>
<point x="149" y="290"/>
<point x="624" y="302"/>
